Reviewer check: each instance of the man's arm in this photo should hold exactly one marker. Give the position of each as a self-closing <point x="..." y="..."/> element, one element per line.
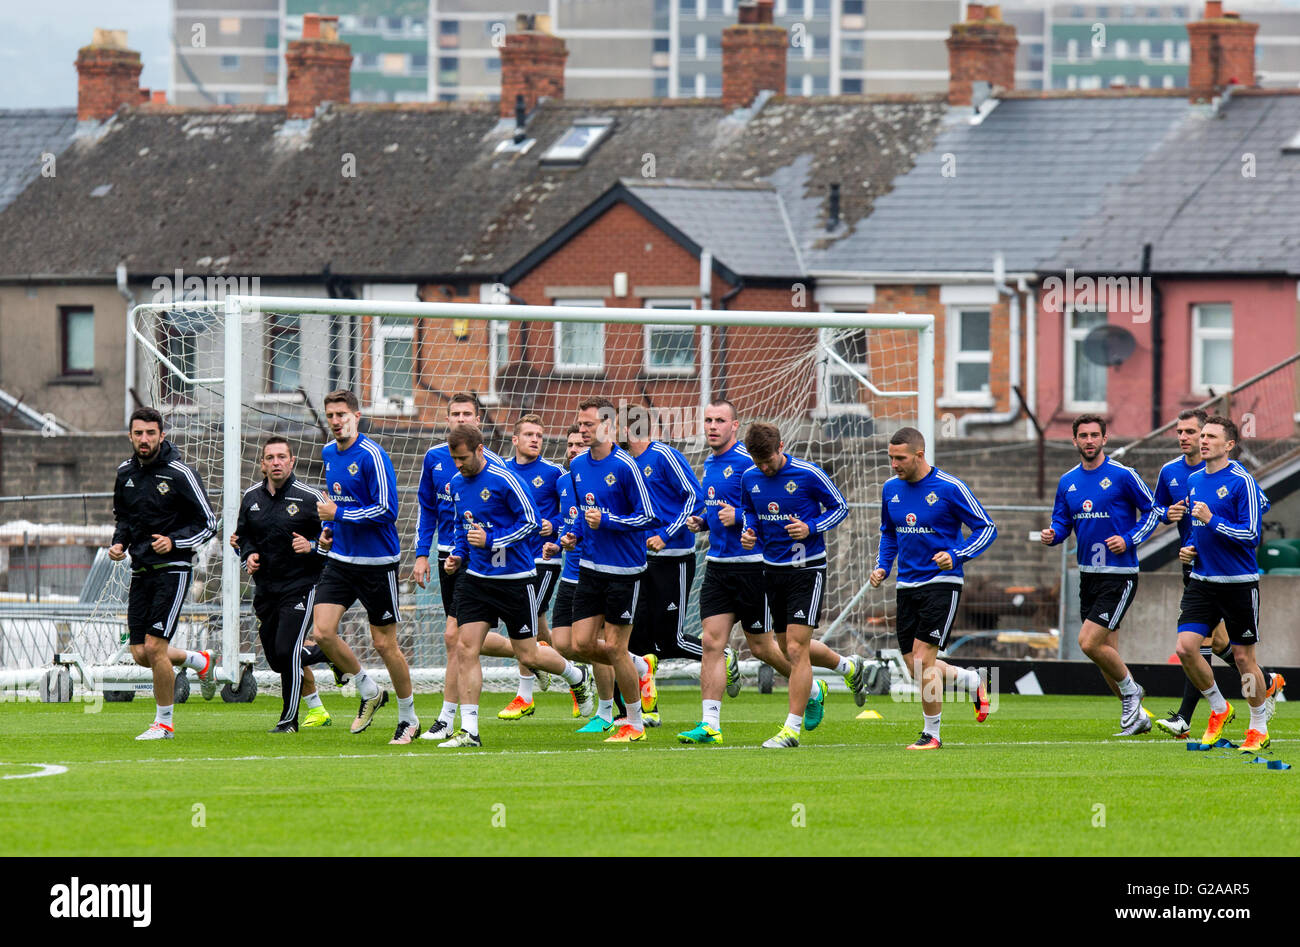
<point x="1144" y="502"/>
<point x="635" y="489"/>
<point x="974" y="517"/>
<point x="689" y="494"/>
<point x="381" y="483"/>
<point x="834" y="507"/>
<point x="888" y="538"/>
<point x="1061" y="522"/>
<point x="122" y="529"/>
<point x="199" y="530"/>
<point x="523" y="513"/>
<point x="1243" y="527"/>
<point x="244" y="530"/>
<point x="426" y="516"/>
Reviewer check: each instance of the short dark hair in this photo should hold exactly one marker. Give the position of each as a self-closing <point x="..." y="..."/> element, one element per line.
<point x="573" y="429"/>
<point x="464" y="397"/>
<point x="909" y="436"/>
<point x="1229" y="428"/>
<point x="465" y="435"/>
<point x="529" y="419"/>
<point x="277" y="439"/>
<point x="342" y="395"/>
<point x="735" y="415"/>
<point x="762" y="439"/>
<point x="602" y="405"/>
<point x="1188" y="413"/>
<point x="637" y="421"/>
<point x="147" y="415"/>
<point x="1088" y="419"/>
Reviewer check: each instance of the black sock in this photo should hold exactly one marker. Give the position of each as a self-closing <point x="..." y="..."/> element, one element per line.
<point x="1191" y="697"/>
<point x="618" y="703"/>
<point x="313" y="655"/>
<point x="1226" y="654"/>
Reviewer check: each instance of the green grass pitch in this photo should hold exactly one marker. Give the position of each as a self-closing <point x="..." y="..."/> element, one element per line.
<point x="1043" y="776"/>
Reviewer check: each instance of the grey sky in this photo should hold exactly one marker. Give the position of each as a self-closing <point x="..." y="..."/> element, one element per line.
<point x="39" y="40"/>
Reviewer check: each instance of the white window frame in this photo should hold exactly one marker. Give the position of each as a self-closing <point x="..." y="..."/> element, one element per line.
<point x="1206" y="334"/>
<point x="380" y="404"/>
<point x="573" y="368"/>
<point x="954" y="356"/>
<point x="667" y="371"/>
<point x="273" y="393"/>
<point x="1073" y="335"/>
<point x="828" y="369"/>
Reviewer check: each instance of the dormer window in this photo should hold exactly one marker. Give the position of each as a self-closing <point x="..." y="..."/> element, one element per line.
<point x="579" y="141"/>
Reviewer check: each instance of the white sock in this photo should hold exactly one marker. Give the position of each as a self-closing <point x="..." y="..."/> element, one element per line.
<point x="572" y="674"/>
<point x="816" y="691"/>
<point x="448" y="713"/>
<point x="932" y="724"/>
<point x="641" y="666"/>
<point x="194" y="660"/>
<point x="313" y="700"/>
<point x="1259" y="718"/>
<point x="366" y="685"/>
<point x="469" y="718"/>
<point x="1217" y="704"/>
<point x="1128" y="687"/>
<point x="164" y="714"/>
<point x="844" y="666"/>
<point x="970" y="677"/>
<point x="634" y="714"/>
<point x="605" y="708"/>
<point x="406" y="710"/>
<point x="794" y="722"/>
<point x="526" y="686"/>
<point x="713" y="713"/>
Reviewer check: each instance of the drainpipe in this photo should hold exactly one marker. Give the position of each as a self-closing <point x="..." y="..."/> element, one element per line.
<point x="1157" y="343"/>
<point x="1031" y="356"/>
<point x="129" y="296"/>
<point x="1000" y="417"/>
<point x="726" y="297"/>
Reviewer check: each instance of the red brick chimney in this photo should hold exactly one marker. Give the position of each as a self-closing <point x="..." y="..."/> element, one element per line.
<point x="981" y="49"/>
<point x="1223" y="52"/>
<point x="532" y="63"/>
<point x="108" y="76"/>
<point x="753" y="54"/>
<point x="320" y="67"/>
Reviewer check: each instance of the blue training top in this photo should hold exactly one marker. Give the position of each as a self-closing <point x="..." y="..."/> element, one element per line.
<point x="361" y="481"/>
<point x="435" y="515"/>
<point x="539" y="478"/>
<point x="722" y="476"/>
<point x="675" y="496"/>
<point x="918" y="520"/>
<point x="1225" y="546"/>
<point x="615" y="487"/>
<point x="495" y="500"/>
<point x="1111" y="500"/>
<point x="799" y="490"/>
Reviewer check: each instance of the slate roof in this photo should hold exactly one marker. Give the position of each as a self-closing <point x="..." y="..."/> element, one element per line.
<point x="243" y="191"/>
<point x="1191" y="200"/>
<point x="1025" y="178"/>
<point x="25" y="136"/>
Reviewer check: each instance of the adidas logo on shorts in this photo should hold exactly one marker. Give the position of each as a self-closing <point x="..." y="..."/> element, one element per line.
<point x="799" y="614"/>
<point x="626" y="615"/>
<point x="1104" y="616"/>
<point x="159" y="626"/>
<point x="525" y="630"/>
<point x="386" y="615"/>
<point x="672" y="607"/>
<point x="299" y="608"/>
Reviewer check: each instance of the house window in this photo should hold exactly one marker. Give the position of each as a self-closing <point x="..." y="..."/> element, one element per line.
<point x="580" y="346"/>
<point x="1212" y="347"/>
<point x="843" y="354"/>
<point x="78" y="331"/>
<point x="394" y="359"/>
<point x="669" y="350"/>
<point x="1085" y="381"/>
<point x="229" y="63"/>
<point x="285" y="347"/>
<point x="178" y="341"/>
<point x="968" y="355"/>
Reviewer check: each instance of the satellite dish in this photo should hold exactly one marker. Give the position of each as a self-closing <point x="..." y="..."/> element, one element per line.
<point x="1108" y="345"/>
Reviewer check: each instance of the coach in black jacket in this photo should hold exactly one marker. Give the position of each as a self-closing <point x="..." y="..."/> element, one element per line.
<point x="277" y="538"/>
<point x="162" y="516"/>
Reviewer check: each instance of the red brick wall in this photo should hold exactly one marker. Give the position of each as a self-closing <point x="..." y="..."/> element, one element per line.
<point x="319" y="71"/>
<point x="753" y="59"/>
<point x="980" y="50"/>
<point x="1235" y="54"/>
<point x="532" y="65"/>
<point x="107" y="78"/>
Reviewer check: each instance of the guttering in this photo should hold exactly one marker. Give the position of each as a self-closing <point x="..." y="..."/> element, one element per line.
<point x="1013" y="410"/>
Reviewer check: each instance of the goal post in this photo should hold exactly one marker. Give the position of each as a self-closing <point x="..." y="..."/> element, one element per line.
<point x="836" y="383"/>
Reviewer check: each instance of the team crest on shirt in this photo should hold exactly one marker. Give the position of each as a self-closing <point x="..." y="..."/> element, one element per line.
<point x="648" y="470"/>
<point x="484" y="493"/>
<point x="293" y="509"/>
<point x="728" y="470"/>
<point x="932" y="498"/>
<point x="911" y="519"/>
<point x="610" y="479"/>
<point x="791" y="486"/>
<point x="774" y="507"/>
<point x="1221" y="492"/>
<point x="591" y="499"/>
<point x="353" y="468"/>
<point x="712" y="493"/>
<point x="163" y="488"/>
<point x="1105" y="482"/>
<point x="538" y="481"/>
<point x="1087" y="506"/>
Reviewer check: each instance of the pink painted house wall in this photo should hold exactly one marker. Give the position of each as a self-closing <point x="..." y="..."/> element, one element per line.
<point x="1266" y="329"/>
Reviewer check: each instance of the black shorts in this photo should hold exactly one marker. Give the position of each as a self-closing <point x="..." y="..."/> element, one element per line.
<point x="548" y="577"/>
<point x="512" y="602"/>
<point x="342" y="583"/>
<point x="1187" y="574"/>
<point x="1236" y="604"/>
<point x="661" y="607"/>
<point x="448" y="584"/>
<point x="735" y="590"/>
<point x="154" y="603"/>
<point x="1106" y="597"/>
<point x="793" y="596"/>
<point x="926" y="613"/>
<point x="612" y="596"/>
<point x="562" y="616"/>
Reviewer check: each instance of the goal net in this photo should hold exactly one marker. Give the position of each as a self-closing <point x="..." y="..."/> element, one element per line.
<point x="837" y="384"/>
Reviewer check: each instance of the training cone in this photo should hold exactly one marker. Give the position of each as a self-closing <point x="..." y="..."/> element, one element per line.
<point x="870" y="715"/>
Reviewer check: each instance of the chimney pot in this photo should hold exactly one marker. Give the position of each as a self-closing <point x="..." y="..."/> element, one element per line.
<point x="983" y="48"/>
<point x="765" y="11"/>
<point x="1213" y="9"/>
<point x="108" y="76"/>
<point x="753" y="55"/>
<point x="320" y="67"/>
<point x="159" y="97"/>
<point x="1222" y="52"/>
<point x="532" y="65"/>
<point x="974" y="12"/>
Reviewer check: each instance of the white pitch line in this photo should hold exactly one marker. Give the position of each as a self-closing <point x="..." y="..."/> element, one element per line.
<point x="46" y="769"/>
<point x="642" y="750"/>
